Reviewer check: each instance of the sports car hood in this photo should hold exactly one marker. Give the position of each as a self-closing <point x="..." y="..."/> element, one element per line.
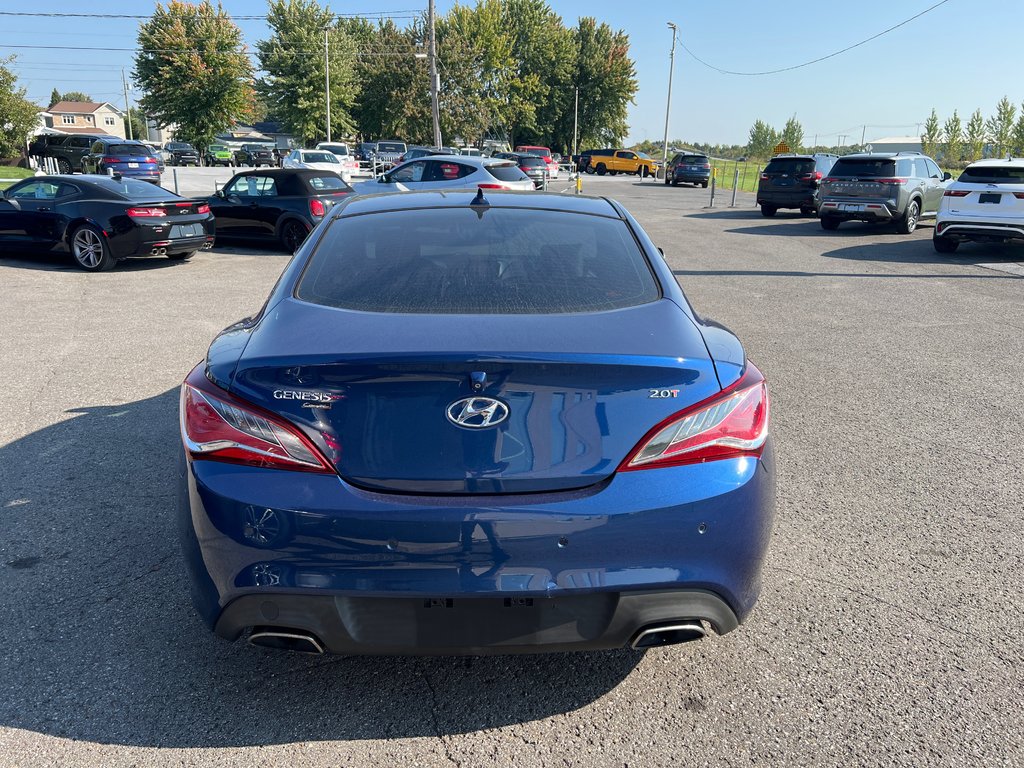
<point x="458" y="404"/>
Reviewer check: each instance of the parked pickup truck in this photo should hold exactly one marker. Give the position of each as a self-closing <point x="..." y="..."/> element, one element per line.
<point x="624" y="161"/>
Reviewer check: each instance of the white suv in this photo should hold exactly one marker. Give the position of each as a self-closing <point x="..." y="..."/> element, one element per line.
<point x="986" y="204"/>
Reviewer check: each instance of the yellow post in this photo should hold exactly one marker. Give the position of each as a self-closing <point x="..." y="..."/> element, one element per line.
<point x="579" y="184"/>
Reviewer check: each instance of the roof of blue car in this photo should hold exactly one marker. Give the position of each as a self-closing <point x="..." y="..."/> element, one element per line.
<point x="456" y="198"/>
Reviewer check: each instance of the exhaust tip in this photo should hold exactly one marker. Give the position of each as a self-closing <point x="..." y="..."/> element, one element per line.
<point x="296" y="640"/>
<point x="669" y="634"/>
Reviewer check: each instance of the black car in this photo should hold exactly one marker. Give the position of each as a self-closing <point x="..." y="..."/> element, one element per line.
<point x="534" y="166"/>
<point x="101" y="220"/>
<point x="256" y="155"/>
<point x="281" y="204"/>
<point x="792" y="181"/>
<point x="364" y="151"/>
<point x="69" y="151"/>
<point x="124" y="157"/>
<point x="414" y="152"/>
<point x="181" y="153"/>
<point x="688" y="168"/>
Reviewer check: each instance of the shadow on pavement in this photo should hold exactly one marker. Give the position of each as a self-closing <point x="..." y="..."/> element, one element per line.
<point x="53" y="262"/>
<point x="101" y="643"/>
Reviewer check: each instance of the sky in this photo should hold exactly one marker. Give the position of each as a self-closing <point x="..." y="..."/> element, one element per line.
<point x="962" y="55"/>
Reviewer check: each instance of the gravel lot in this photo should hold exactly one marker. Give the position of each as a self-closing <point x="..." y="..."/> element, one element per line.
<point x="890" y="627"/>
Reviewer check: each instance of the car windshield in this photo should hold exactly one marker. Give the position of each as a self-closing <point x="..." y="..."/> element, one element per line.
<point x="390" y="146"/>
<point x="253" y="147"/>
<point x="993" y="174"/>
<point x="790" y="165"/>
<point x="128" y="149"/>
<point x="877" y="168"/>
<point x="337" y="149"/>
<point x="318" y="157"/>
<point x="180" y="147"/>
<point x="134" y="190"/>
<point x="457" y="261"/>
<point x="218" y="148"/>
<point x="644" y="155"/>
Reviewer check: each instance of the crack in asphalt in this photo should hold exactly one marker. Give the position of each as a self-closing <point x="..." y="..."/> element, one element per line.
<point x="433" y="717"/>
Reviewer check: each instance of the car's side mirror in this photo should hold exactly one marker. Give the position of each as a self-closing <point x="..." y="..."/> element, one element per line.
<point x="383" y="179"/>
<point x="661" y="250"/>
<point x="947" y="176"/>
<point x="219" y="193"/>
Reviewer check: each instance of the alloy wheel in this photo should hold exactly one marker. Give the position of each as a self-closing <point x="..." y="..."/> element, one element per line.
<point x="88" y="248"/>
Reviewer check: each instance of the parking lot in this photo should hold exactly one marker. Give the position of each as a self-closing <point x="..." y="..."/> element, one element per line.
<point x="889" y="630"/>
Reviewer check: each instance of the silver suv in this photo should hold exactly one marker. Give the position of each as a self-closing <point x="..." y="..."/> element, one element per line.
<point x="901" y="187"/>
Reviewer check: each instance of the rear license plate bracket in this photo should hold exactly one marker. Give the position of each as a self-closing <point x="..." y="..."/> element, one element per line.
<point x="990" y="197"/>
<point x="186" y="230"/>
<point x="853" y="207"/>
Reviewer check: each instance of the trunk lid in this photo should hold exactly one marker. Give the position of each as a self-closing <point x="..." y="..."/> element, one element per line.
<point x="383" y="394"/>
<point x="870" y="178"/>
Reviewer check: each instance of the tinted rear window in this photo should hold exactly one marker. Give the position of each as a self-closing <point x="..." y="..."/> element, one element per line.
<point x="328" y="183"/>
<point x="390" y="146"/>
<point x="127" y="149"/>
<point x="1002" y="174"/>
<point x="134" y="190"/>
<point x="318" y="157"/>
<point x="506" y="172"/>
<point x="533" y="161"/>
<point x="337" y="149"/>
<point x="692" y="160"/>
<point x="790" y="165"/>
<point x="883" y="168"/>
<point x="454" y="261"/>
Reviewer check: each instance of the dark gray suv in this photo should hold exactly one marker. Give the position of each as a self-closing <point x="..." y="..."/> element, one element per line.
<point x="900" y="187"/>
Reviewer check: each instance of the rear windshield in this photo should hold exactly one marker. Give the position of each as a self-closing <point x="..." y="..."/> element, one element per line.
<point x="456" y="261"/>
<point x="1001" y="174"/>
<point x="134" y="190"/>
<point x="506" y="172"/>
<point x="127" y="149"/>
<point x="337" y="149"/>
<point x="390" y="146"/>
<point x="318" y="157"/>
<point x="882" y="168"/>
<point x="790" y="165"/>
<point x="692" y="159"/>
<point x="542" y="151"/>
<point x="328" y="183"/>
<point x="531" y="161"/>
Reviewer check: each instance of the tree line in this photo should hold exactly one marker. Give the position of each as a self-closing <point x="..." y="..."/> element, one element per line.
<point x="958" y="143"/>
<point x="507" y="68"/>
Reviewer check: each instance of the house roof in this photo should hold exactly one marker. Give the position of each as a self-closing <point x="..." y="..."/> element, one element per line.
<point x="80" y="107"/>
<point x="85" y="130"/>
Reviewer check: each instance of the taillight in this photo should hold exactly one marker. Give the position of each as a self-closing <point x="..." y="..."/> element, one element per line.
<point x="204" y="208"/>
<point x="111" y="160"/>
<point x="1019" y="195"/>
<point x="764" y="177"/>
<point x="149" y="160"/>
<point x="891" y="181"/>
<point x="955" y="193"/>
<point x="137" y="213"/>
<point x="491" y="186"/>
<point x="812" y="176"/>
<point x="316" y="207"/>
<point x="218" y="426"/>
<point x="732" y="423"/>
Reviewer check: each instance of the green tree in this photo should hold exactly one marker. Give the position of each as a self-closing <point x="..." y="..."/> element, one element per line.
<point x="545" y="58"/>
<point x="1000" y="126"/>
<point x="56" y="96"/>
<point x="394" y="89"/>
<point x="606" y="78"/>
<point x="1017" y="140"/>
<point x="974" y="137"/>
<point x="139" y="129"/>
<point x="294" y="88"/>
<point x="932" y="135"/>
<point x="953" y="146"/>
<point x="793" y="134"/>
<point x="18" y="115"/>
<point x="194" y="70"/>
<point x="763" y="139"/>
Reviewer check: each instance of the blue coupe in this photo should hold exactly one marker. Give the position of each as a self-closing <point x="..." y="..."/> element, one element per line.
<point x="475" y="423"/>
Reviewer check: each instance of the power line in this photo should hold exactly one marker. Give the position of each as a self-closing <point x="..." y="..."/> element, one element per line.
<point x="302" y="51"/>
<point x="820" y="58"/>
<point x="414" y="13"/>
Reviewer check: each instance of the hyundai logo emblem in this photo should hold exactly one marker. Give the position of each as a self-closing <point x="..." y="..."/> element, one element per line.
<point x="477" y="412"/>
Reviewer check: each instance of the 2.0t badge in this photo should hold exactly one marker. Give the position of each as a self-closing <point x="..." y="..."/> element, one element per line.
<point x="477" y="412"/>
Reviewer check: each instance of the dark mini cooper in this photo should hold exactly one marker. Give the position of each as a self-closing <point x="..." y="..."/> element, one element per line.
<point x="102" y="220"/>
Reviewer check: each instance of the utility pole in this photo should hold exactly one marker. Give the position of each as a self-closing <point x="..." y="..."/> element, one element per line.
<point x="435" y="84"/>
<point x="668" y="106"/>
<point x="863" y="130"/>
<point x="327" y="78"/>
<point x="127" y="105"/>
<point x="575" y="122"/>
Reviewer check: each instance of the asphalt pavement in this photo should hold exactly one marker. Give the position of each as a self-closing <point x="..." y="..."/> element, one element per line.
<point x="889" y="631"/>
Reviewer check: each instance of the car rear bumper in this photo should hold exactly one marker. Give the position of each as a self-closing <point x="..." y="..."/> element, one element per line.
<point x="980" y="231"/>
<point x="859" y="210"/>
<point x="790" y="198"/>
<point x="690" y="177"/>
<point x="380" y="573"/>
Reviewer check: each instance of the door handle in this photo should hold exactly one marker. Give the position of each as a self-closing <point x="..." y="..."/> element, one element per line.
<point x="42" y="209"/>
